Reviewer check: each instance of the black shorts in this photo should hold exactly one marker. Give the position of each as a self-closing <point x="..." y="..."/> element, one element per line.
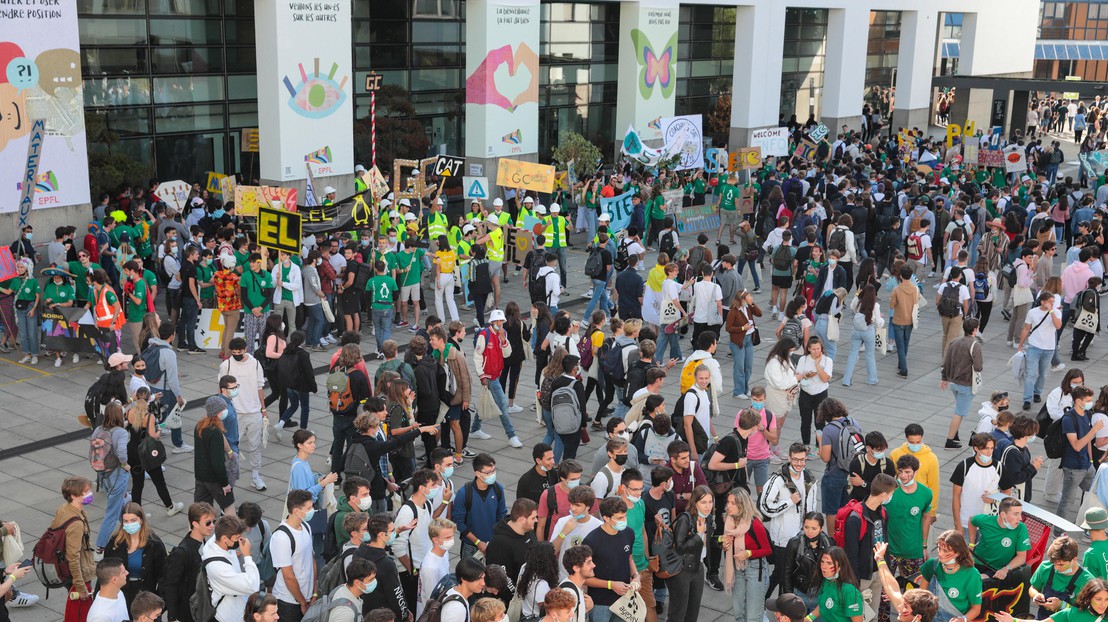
<point x="351" y="303"/>
<point x="782" y="281"/>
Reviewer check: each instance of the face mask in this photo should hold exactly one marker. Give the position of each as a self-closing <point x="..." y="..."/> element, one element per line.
<point x="834" y="577"/>
<point x="489" y="479"/>
<point x="448" y="472"/>
<point x="1068" y="571"/>
<point x="951" y="562"/>
<point x="448" y="544"/>
<point x="365" y="503"/>
<point x="435" y="493"/>
<point x="392" y="537"/>
<point x="372" y="586"/>
<point x="832" y="262"/>
<point x="366" y="537"/>
<point x="309" y="515"/>
<point x="365" y="242"/>
<point x="757" y="405"/>
<point x="543" y="469"/>
<point x="578" y="516"/>
<point x="908" y="483"/>
<point x="233" y="393"/>
<point x="634" y="498"/>
<point x="132" y="528"/>
<point x="222" y="415"/>
<point x="886" y="501"/>
<point x="87" y="499"/>
<point x="702" y="514"/>
<point x="984" y="459"/>
<point x="624" y="435"/>
<point x="669" y="486"/>
<point x="30" y="236"/>
<point x="879" y="455"/>
<point x="573" y="483"/>
<point x="621" y="459"/>
<point x="620" y="525"/>
<point x="392" y="240"/>
<point x="1030" y="439"/>
<point x="915" y="447"/>
<point x="1088" y="405"/>
<point x="234" y="545"/>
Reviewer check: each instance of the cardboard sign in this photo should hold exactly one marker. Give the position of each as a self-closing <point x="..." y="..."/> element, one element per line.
<point x="173" y="193"/>
<point x="953" y="130"/>
<point x="715" y="159"/>
<point x="746" y="159"/>
<point x="476" y="187"/>
<point x="408" y="186"/>
<point x="376" y="181"/>
<point x="819" y="132"/>
<point x="279" y="229"/>
<point x="227" y="188"/>
<point x="214" y="183"/>
<point x="249" y="140"/>
<point x="774" y="141"/>
<point x="526" y="175"/>
<point x="517" y="243"/>
<point x="746" y="201"/>
<point x="1014" y="161"/>
<point x="806" y="150"/>
<point x="448" y="166"/>
<point x="248" y="199"/>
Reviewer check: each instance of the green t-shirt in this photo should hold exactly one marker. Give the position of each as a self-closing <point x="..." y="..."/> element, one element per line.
<point x="383" y="287"/>
<point x="286" y="293"/>
<point x="727" y="195"/>
<point x="388" y="257"/>
<point x="839" y="603"/>
<point x="254" y="283"/>
<point x="204" y="274"/>
<point x="906" y="512"/>
<point x="412" y="262"/>
<point x="963" y="588"/>
<point x="636" y="518"/>
<point x="996" y="545"/>
<point x="698" y="185"/>
<point x="59" y="294"/>
<point x="26" y="288"/>
<point x="242" y="261"/>
<point x="148" y="276"/>
<point x="79" y="272"/>
<point x="1096" y="559"/>
<point x="1073" y="614"/>
<point x="658" y="207"/>
<point x="135" y="310"/>
<point x="1060" y="581"/>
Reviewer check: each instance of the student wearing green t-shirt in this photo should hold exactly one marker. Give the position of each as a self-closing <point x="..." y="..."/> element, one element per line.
<point x="729" y="217"/>
<point x="1059" y="578"/>
<point x="1096" y="557"/>
<point x="908" y="527"/>
<point x="27" y="295"/>
<point x="839" y="599"/>
<point x="1091" y="605"/>
<point x="1001" y="549"/>
<point x="953" y="578"/>
<point x="59" y="294"/>
<point x="381" y="288"/>
<point x="205" y="271"/>
<point x="135" y="296"/>
<point x="409" y="270"/>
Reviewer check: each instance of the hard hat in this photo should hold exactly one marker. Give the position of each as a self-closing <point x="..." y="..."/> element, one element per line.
<point x="328" y="190"/>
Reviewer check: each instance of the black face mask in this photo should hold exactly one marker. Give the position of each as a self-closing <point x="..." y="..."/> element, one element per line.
<point x="235" y="545"/>
<point x="239" y="357"/>
<point x="621" y="459"/>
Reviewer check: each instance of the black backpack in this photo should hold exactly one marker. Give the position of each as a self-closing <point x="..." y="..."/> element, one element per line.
<point x="837" y="240"/>
<point x="94" y="397"/>
<point x="948" y="302"/>
<point x="621" y="255"/>
<point x="536" y="287"/>
<point x="666" y="242"/>
<point x="357" y="463"/>
<point x="152" y="356"/>
<point x="782" y="258"/>
<point x="594" y="265"/>
<point x="1055" y="440"/>
<point x="612" y="365"/>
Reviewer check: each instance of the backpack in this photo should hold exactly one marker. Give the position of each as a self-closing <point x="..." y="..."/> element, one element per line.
<point x="320" y="610"/>
<point x="584" y="351"/>
<point x="696" y="257"/>
<point x="612" y="365"/>
<point x="101" y="452"/>
<point x="362" y="276"/>
<point x="853" y="506"/>
<point x="980" y="287"/>
<point x="670" y="562"/>
<point x="565" y="410"/>
<point x="636" y="379"/>
<point x="621" y="255"/>
<point x="152" y="356"/>
<point x="356" y="462"/>
<point x="948" y="302"/>
<point x="851" y="442"/>
<point x="1011" y="273"/>
<point x="667" y="243"/>
<point x="915" y="247"/>
<point x="200" y="603"/>
<point x="266" y="571"/>
<point x="882" y="242"/>
<point x="449" y="384"/>
<point x="432" y="609"/>
<point x="1055" y="440"/>
<point x="782" y="258"/>
<point x="839" y="151"/>
<point x="677" y="418"/>
<point x="837" y="240"/>
<point x="536" y="288"/>
<point x="49" y="561"/>
<point x="793" y="329"/>
<point x="688" y="373"/>
<point x="93" y="398"/>
<point x="719" y="481"/>
<point x="594" y="265"/>
<point x="338" y="389"/>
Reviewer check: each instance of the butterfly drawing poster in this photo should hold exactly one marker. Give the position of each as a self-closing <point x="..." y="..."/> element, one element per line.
<point x="657" y="65"/>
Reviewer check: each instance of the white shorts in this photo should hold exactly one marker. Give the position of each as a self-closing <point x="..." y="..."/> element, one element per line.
<point x="409" y="292"/>
<point x="494" y="268"/>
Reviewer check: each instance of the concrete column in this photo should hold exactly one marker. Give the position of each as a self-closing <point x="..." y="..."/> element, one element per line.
<point x="647" y="68"/>
<point x="845" y="70"/>
<point x="502" y="83"/>
<point x="756" y="86"/>
<point x="915" y="66"/>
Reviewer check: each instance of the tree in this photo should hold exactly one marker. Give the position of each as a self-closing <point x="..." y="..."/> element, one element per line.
<point x="108" y="167"/>
<point x="399" y="135"/>
<point x="573" y="147"/>
<point x="719" y="119"/>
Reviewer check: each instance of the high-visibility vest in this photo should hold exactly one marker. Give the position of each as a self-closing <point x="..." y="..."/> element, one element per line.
<point x="436" y="226"/>
<point x="556" y="236"/>
<point x="105" y="314"/>
<point x="522" y="217"/>
<point x="455" y="236"/>
<point x="504" y="218"/>
<point x="496" y="245"/>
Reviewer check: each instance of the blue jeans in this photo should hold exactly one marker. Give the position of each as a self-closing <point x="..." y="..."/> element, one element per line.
<point x="974" y="245"/>
<point x="186" y="326"/>
<point x="858" y="338"/>
<point x="742" y="263"/>
<point x="552" y="438"/>
<point x="674" y="347"/>
<point x="901" y="335"/>
<point x="599" y="293"/>
<point x="316" y="322"/>
<point x="382" y="325"/>
<point x="830" y="347"/>
<point x="29" y="332"/>
<point x="502" y="404"/>
<point x="963" y="398"/>
<point x="748" y="591"/>
<point x="602" y="613"/>
<point x="590" y="228"/>
<point x="742" y="366"/>
<point x="834" y="490"/>
<point x="1038" y="364"/>
<point x="463" y="271"/>
<point x="621" y="408"/>
<point x="297" y="398"/>
<point x="116" y="485"/>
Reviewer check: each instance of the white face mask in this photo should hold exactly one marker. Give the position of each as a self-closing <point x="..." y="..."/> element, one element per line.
<point x="448" y="544"/>
<point x="365" y="503"/>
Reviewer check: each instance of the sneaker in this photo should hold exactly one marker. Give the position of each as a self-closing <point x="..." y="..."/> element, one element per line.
<point x="469" y="453"/>
<point x="1007" y="315"/>
<point x="76" y="358"/>
<point x="597" y="426"/>
<point x="1058" y="367"/>
<point x="1008" y="342"/>
<point x="413" y="329"/>
<point x="183" y="449"/>
<point x="714" y="583"/>
<point x="175" y="508"/>
<point x="588" y="294"/>
<point x="458" y="460"/>
<point x="57" y="362"/>
<point x="515" y="408"/>
<point x="1037" y="399"/>
<point x="902" y="373"/>
<point x="952" y="444"/>
<point x="34" y="361"/>
<point x="26" y="600"/>
<point x="757" y="290"/>
<point x="259" y="483"/>
<point x="514" y="442"/>
<point x="379" y="356"/>
<point x="26" y="358"/>
<point x="1027" y="405"/>
<point x="931" y="274"/>
<point x="743" y="396"/>
<point x="480" y="435"/>
<point x="401" y="323"/>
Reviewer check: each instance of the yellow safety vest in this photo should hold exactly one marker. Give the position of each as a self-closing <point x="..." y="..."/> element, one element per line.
<point x="557" y="236"/>
<point x="455" y="235"/>
<point x="503" y="218"/>
<point x="436" y="225"/>
<point x="496" y="245"/>
<point x="522" y="216"/>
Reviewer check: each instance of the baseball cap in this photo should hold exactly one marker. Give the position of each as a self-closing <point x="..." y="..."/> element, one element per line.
<point x="788" y="605"/>
<point x="604" y="218"/>
<point x="118" y="358"/>
<point x="1095" y="518"/>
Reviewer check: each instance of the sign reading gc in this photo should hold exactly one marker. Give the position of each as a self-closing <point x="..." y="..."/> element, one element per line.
<point x="279" y="230"/>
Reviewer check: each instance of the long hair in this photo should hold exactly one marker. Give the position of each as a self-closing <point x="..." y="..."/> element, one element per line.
<point x="1084" y="600"/>
<point x="150" y="323"/>
<point x="543" y="313"/>
<point x="122" y="538"/>
<point x="867" y="303"/>
<point x="956" y="542"/>
<point x="511" y="314"/>
<point x="398" y="392"/>
<point x="742" y="500"/>
<point x="542" y="565"/>
<point x="113" y="416"/>
<point x="383" y="382"/>
<point x="595" y="320"/>
<point x="846" y="573"/>
<point x="553" y="367"/>
<point x="781" y="349"/>
<point x="209" y="422"/>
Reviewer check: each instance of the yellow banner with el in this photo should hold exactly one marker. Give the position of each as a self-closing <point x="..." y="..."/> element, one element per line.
<point x="526" y="175"/>
<point x="279" y="230"/>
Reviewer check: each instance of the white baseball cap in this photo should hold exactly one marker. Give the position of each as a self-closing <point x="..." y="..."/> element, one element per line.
<point x="415" y="171"/>
<point x="528" y="200"/>
<point x="394" y="214"/>
<point x="604" y="218"/>
<point x="540" y="209"/>
<point x="405" y="202"/>
<point x="498" y="202"/>
<point x="555" y="208"/>
<point x="496" y="316"/>
<point x="468" y="229"/>
<point x="492" y="220"/>
<point x="328" y="190"/>
<point x="410" y="217"/>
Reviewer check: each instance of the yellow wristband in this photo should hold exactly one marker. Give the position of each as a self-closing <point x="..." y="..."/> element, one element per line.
<point x="562" y="536"/>
<point x="609" y="584"/>
<point x="737" y="467"/>
<point x="881" y="561"/>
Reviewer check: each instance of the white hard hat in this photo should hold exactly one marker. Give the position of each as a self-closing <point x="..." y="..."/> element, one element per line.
<point x="415" y="171"/>
<point x="555" y="208"/>
<point x="438" y="200"/>
<point x="405" y="202"/>
<point x="385" y="202"/>
<point x="328" y="190"/>
<point x="475" y="200"/>
<point x="496" y="316"/>
<point x="498" y="202"/>
<point x="359" y="169"/>
<point x="540" y="209"/>
<point x="605" y="218"/>
<point x="394" y="214"/>
<point x="468" y="229"/>
<point x="493" y="220"/>
<point x="410" y="216"/>
<point x="528" y="200"/>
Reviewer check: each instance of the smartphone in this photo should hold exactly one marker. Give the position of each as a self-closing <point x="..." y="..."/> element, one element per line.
<point x="25" y="563"/>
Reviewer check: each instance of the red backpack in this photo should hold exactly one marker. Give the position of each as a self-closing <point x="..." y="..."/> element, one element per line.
<point x="852" y="507"/>
<point x="49" y="560"/>
<point x="584" y="349"/>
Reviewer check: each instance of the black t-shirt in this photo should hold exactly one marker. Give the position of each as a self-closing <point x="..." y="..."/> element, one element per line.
<point x="531" y="485"/>
<point x="188" y="271"/>
<point x="733" y="448"/>
<point x="612" y="556"/>
<point x="860" y="466"/>
<point x="606" y="257"/>
<point x="629" y="287"/>
<point x="653" y="507"/>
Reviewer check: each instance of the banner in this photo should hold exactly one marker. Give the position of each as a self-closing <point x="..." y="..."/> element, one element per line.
<point x="774" y="141"/>
<point x="305" y="89"/>
<point x="279" y="230"/>
<point x="746" y="159"/>
<point x="175" y="193"/>
<point x="502" y="84"/>
<point x="526" y="175"/>
<point x="715" y="160"/>
<point x="1014" y="161"/>
<point x="249" y="198"/>
<point x="684" y="136"/>
<point x="806" y="150"/>
<point x="674" y="201"/>
<point x="517" y="243"/>
<point x="619" y="208"/>
<point x="73" y="330"/>
<point x="42" y="115"/>
<point x="209" y="329"/>
<point x="969" y="153"/>
<point x="349" y="214"/>
<point x="698" y="218"/>
<point x="989" y="157"/>
<point x="647" y="69"/>
<point x="1094" y="162"/>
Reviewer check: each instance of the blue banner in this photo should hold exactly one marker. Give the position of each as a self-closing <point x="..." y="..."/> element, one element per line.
<point x="619" y="208"/>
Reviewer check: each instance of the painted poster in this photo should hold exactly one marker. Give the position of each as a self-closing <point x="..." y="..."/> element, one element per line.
<point x="698" y="218"/>
<point x="684" y="134"/>
<point x="774" y="141"/>
<point x="42" y="117"/>
<point x="305" y="89"/>
<point x="249" y="198"/>
<point x="502" y="87"/>
<point x="73" y="330"/>
<point x="526" y="175"/>
<point x="648" y="54"/>
<point x="1014" y="161"/>
<point x="619" y="208"/>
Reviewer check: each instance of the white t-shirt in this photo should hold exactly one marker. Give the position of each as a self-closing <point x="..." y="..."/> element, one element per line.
<point x="813" y="385"/>
<point x="1103" y="418"/>
<point x="108" y="609"/>
<point x="963" y="292"/>
<point x="414" y="542"/>
<point x="978" y="479"/>
<point x="569" y="342"/>
<point x="671" y="290"/>
<point x="705" y="295"/>
<point x="575" y="537"/>
<point x="1043" y="337"/>
<point x="703" y="414"/>
<point x="536" y="594"/>
<point x="302" y="561"/>
<point x="552" y="284"/>
<point x="924" y="246"/>
<point x="454" y="611"/>
<point x="431" y="570"/>
<point x="634" y="248"/>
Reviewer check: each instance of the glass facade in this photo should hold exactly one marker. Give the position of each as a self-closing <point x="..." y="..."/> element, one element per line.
<point x="803" y="62"/>
<point x="882" y="52"/>
<point x="1072" y="21"/>
<point x="705" y="58"/>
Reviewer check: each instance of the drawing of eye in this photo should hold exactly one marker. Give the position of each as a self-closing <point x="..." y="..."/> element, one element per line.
<point x="317" y="95"/>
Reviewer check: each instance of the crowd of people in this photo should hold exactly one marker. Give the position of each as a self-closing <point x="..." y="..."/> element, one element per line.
<point x="680" y="493"/>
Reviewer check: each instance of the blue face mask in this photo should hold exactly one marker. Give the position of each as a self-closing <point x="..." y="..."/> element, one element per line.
<point x="702" y="514"/>
<point x="757" y="405"/>
<point x="219" y="213"/>
<point x="489" y="479"/>
<point x="309" y="515"/>
<point x="448" y="472"/>
<point x="578" y="516"/>
<point x="621" y="525"/>
<point x="222" y="415"/>
<point x="233" y="393"/>
<point x="371" y="586"/>
<point x="392" y="537"/>
<point x="573" y="483"/>
<point x="132" y="528"/>
<point x="915" y="447"/>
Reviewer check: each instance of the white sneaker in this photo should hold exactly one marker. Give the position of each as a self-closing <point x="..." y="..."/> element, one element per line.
<point x="183" y="449"/>
<point x="76" y="358"/>
<point x="514" y="442"/>
<point x="277" y="430"/>
<point x="34" y="360"/>
<point x="1058" y="367"/>
<point x="1008" y="342"/>
<point x="23" y="600"/>
<point x="480" y="435"/>
<point x="173" y="509"/>
<point x="515" y="408"/>
<point x="57" y="362"/>
<point x="259" y="483"/>
<point x="98" y="555"/>
<point x="588" y="294"/>
<point x="25" y="359"/>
